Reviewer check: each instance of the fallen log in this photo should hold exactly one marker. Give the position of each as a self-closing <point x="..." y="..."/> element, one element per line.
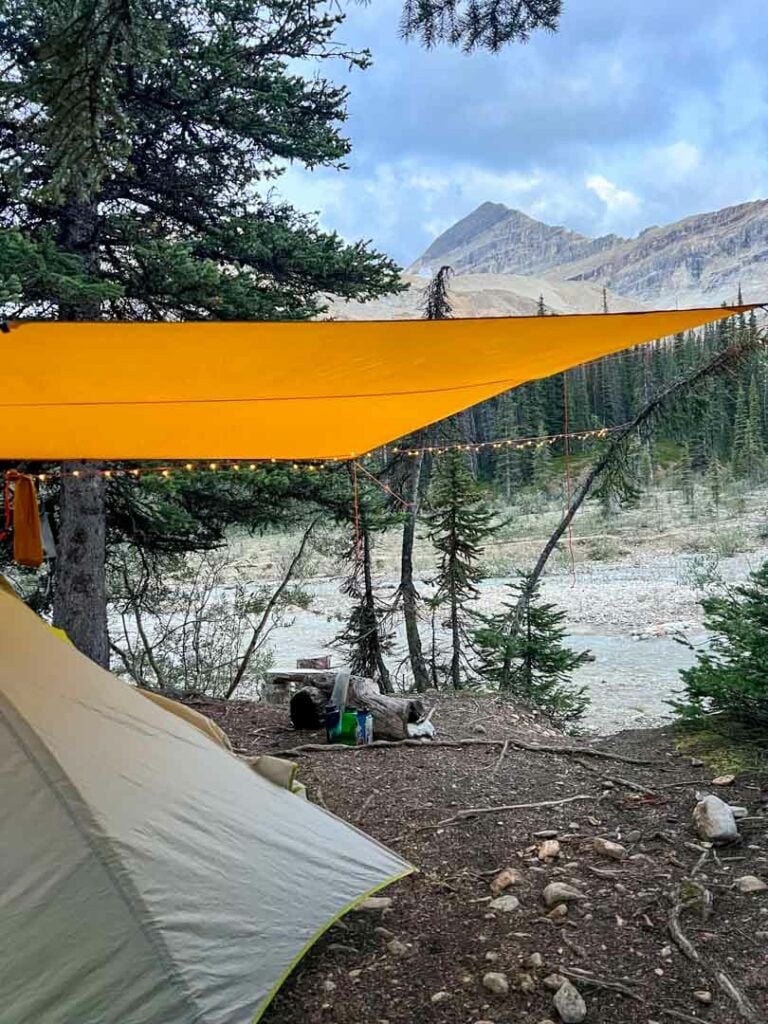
<point x="391" y="715"/>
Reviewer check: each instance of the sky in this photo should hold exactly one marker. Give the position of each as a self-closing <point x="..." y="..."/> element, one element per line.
<point x="637" y="112"/>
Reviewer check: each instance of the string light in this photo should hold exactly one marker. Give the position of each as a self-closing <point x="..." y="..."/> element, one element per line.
<point x="509" y="443"/>
<point x="316" y="465"/>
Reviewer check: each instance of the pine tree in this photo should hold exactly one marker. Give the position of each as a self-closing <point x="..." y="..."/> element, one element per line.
<point x="541" y="461"/>
<point x="478" y="24"/>
<point x="687" y="479"/>
<point x="367" y="638"/>
<point x="436" y="306"/>
<point x="459" y="521"/>
<point x="139" y="143"/>
<point x="730" y="676"/>
<point x="748" y="450"/>
<point x="507" y="462"/>
<point x="530" y="663"/>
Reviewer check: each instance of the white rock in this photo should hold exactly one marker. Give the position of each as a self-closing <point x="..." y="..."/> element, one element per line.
<point x="703" y="996"/>
<point x="535" y="960"/>
<point x="559" y="892"/>
<point x="496" y="982"/>
<point x="569" y="1004"/>
<point x="440" y="997"/>
<point x="714" y="820"/>
<point x="750" y="883"/>
<point x="505" y="904"/>
<point x="375" y="903"/>
<point x="396" y="947"/>
<point x="724" y="780"/>
<point x="548" y="850"/>
<point x="608" y="849"/>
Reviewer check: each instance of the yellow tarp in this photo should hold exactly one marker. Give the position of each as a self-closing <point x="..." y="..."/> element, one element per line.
<point x="313" y="390"/>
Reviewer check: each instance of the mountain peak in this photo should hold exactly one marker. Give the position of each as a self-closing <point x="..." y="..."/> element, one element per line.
<point x="475" y="242"/>
<point x="700" y="260"/>
<point x="475" y="223"/>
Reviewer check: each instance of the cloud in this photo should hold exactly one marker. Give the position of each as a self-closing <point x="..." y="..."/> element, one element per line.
<point x="616" y="199"/>
<point x="628" y="116"/>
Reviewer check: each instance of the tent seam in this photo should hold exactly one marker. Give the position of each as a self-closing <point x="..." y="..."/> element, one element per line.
<point x="102" y="849"/>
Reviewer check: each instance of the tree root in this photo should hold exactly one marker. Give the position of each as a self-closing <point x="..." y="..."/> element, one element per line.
<point x="676" y="1015"/>
<point x="473" y="812"/>
<point x="746" y="1008"/>
<point x="678" y="936"/>
<point x="502" y="755"/>
<point x="618" y="781"/>
<point x="512" y="741"/>
<point x="611" y="985"/>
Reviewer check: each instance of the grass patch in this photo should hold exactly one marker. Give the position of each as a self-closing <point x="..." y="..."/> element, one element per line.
<point x="725" y="745"/>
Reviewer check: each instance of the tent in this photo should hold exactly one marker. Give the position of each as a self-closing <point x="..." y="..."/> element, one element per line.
<point x="147" y="875"/>
<point x="280" y="390"/>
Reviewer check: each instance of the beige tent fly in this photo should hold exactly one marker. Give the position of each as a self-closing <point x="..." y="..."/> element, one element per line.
<point x="147" y="875"/>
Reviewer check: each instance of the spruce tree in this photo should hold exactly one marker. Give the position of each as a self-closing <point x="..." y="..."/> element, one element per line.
<point x="528" y="660"/>
<point x="138" y="146"/>
<point x="687" y="479"/>
<point x="730" y="677"/>
<point x="367" y="638"/>
<point x="436" y="305"/>
<point x="478" y="24"/>
<point x="507" y="462"/>
<point x="715" y="479"/>
<point x="459" y="521"/>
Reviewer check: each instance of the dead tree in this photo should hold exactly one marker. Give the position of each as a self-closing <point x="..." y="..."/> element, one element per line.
<point x="721" y="363"/>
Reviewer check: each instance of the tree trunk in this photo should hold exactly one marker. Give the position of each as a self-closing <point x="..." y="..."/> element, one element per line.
<point x="455" y="626"/>
<point x="370" y="602"/>
<point x="407" y="588"/>
<point x="80" y="600"/>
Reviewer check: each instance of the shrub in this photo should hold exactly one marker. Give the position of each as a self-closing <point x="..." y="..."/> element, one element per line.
<point x="730" y="675"/>
<point x="526" y="658"/>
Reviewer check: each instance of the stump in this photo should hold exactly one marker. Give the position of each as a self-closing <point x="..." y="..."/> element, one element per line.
<point x="391" y="715"/>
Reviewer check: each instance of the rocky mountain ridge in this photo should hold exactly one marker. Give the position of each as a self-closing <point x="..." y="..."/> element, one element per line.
<point x="701" y="260"/>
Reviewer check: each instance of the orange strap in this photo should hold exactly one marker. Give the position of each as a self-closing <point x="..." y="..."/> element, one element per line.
<point x="24" y="514"/>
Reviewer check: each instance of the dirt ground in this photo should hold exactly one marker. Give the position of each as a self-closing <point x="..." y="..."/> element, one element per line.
<point x="426" y="956"/>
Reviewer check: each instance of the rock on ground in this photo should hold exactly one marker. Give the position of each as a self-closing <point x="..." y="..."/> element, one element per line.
<point x="608" y="849"/>
<point x="505" y="879"/>
<point x="569" y="1004"/>
<point x="559" y="892"/>
<point x="496" y="982"/>
<point x="715" y="821"/>
<point x="505" y="904"/>
<point x="750" y="883"/>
